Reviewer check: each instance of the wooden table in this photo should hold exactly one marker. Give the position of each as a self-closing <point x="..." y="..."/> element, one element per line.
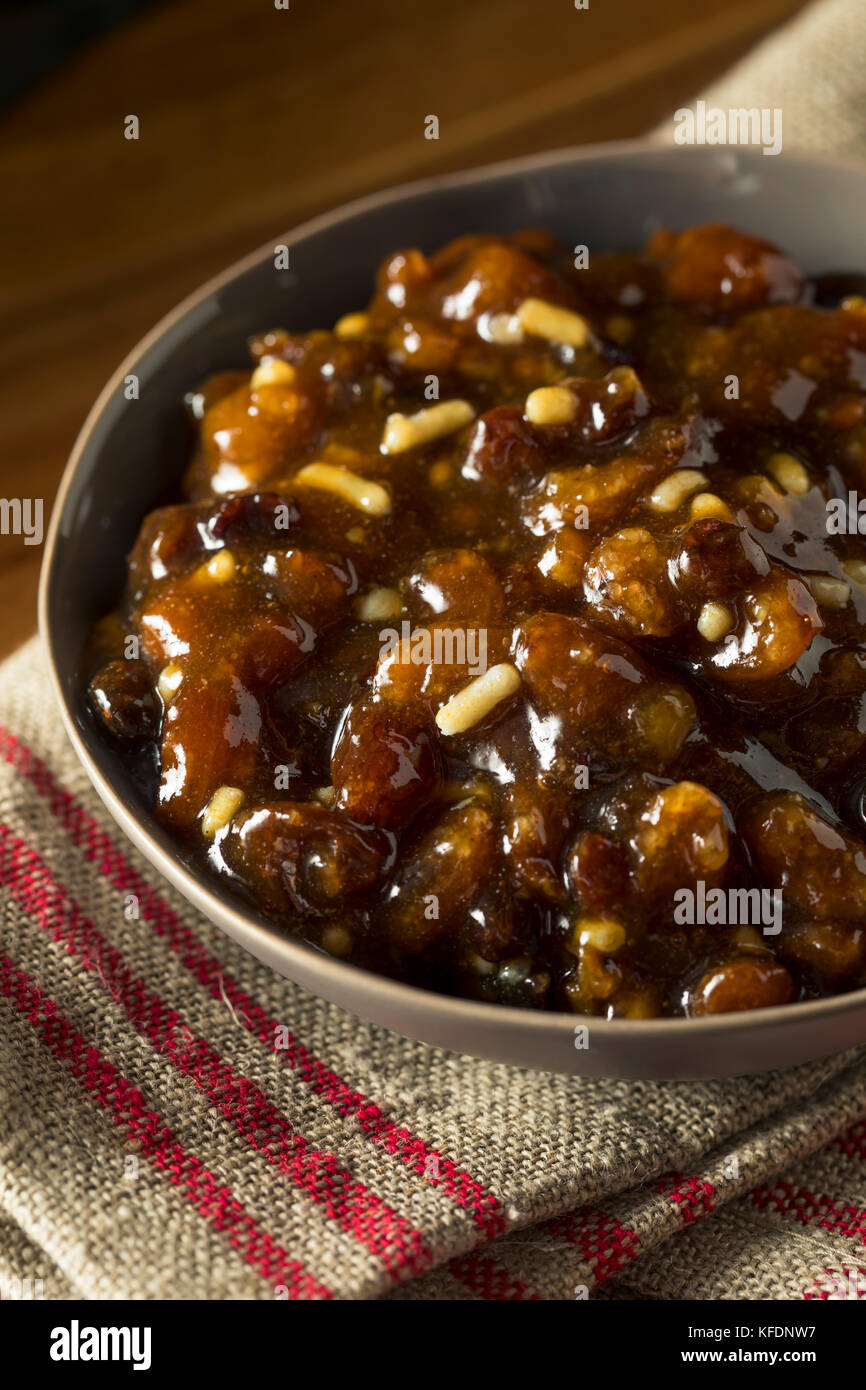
<point x="252" y="118"/>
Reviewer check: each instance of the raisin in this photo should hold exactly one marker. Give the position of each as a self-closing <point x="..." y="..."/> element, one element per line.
<point x="727" y="271"/>
<point x="461" y="583"/>
<point x="168" y="540"/>
<point x="751" y="982"/>
<point x="438" y="879"/>
<point x="819" y="867"/>
<point x="504" y="448"/>
<point x="598" y="872"/>
<point x="124" y="701"/>
<point x="385" y="766"/>
<point x="252" y="515"/>
<point x="716" y="560"/>
<point x="303" y="855"/>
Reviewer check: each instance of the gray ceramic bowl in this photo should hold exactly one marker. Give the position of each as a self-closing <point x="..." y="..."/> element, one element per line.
<point x="128" y="453"/>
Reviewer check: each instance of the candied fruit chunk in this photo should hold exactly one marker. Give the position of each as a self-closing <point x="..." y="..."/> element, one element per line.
<point x="303" y="854"/>
<point x="728" y="271"/>
<point x="820" y="868"/>
<point x="602" y="693"/>
<point x="751" y="982"/>
<point x="682" y="836"/>
<point x="385" y="765"/>
<point x="627" y="583"/>
<point x="439" y="877"/>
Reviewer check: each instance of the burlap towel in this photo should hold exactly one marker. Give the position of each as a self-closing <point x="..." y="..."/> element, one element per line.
<point x="155" y="1143"/>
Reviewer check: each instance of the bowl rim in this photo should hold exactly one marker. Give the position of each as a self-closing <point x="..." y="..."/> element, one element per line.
<point x="265" y="941"/>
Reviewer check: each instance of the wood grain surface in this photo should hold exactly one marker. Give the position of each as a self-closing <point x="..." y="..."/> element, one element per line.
<point x="251" y="119"/>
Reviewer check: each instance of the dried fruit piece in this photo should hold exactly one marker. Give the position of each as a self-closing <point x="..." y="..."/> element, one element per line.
<point x="715" y="560"/>
<point x="212" y="737"/>
<point x="819" y="867"/>
<point x="626" y="582"/>
<point x="303" y="855"/>
<point x="604" y="696"/>
<point x="682" y="836"/>
<point x="385" y="764"/>
<point x="123" y="699"/>
<point x="726" y="270"/>
<point x="440" y="877"/>
<point x="598" y="872"/>
<point x="749" y="982"/>
<point x="459" y="583"/>
<point x="775" y="626"/>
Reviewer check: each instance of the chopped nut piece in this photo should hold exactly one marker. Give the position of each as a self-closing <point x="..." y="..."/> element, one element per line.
<point x="272" y="371"/>
<point x="552" y="321"/>
<point x="336" y="940"/>
<point x="707" y="506"/>
<point x="220" y="568"/>
<point x="225" y="803"/>
<point x="326" y="796"/>
<point x="789" y="473"/>
<point x="359" y="492"/>
<point x="746" y="938"/>
<point x="827" y="590"/>
<point x="673" y="490"/>
<point x="603" y="933"/>
<point x="855" y="570"/>
<point x="478" y="698"/>
<point x="551" y="405"/>
<point x="504" y="329"/>
<point x="715" y="621"/>
<point x="403" y="432"/>
<point x="169" y="681"/>
<point x="377" y="605"/>
<point x="352" y="326"/>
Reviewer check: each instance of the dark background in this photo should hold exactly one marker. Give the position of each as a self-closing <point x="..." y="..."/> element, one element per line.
<point x="252" y="119"/>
